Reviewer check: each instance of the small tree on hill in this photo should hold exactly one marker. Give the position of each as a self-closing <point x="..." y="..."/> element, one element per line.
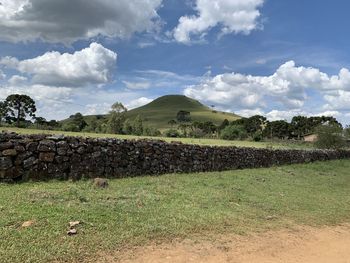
<point x="183" y="116"/>
<point x="116" y="118"/>
<point x="19" y="107"/>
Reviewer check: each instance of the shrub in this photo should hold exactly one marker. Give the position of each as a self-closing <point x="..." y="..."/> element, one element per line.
<point x="233" y="132"/>
<point x="330" y="137"/>
<point x="172" y="133"/>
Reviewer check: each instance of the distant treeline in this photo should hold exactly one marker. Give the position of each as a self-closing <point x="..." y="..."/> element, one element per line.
<point x="16" y="110"/>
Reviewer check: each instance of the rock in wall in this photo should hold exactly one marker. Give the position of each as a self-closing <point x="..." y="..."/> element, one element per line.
<point x="43" y="157"/>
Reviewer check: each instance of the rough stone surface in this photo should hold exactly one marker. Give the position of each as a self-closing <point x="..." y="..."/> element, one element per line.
<point x="43" y="157"/>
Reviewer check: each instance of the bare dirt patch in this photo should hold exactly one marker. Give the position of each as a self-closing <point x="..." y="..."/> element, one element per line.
<point x="301" y="244"/>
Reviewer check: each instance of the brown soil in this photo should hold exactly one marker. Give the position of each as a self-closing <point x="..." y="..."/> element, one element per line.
<point x="302" y="244"/>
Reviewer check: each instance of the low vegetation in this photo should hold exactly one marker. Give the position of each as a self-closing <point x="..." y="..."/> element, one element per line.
<point x="135" y="211"/>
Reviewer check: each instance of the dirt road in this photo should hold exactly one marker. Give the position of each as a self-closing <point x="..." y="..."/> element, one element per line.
<point x="303" y="244"/>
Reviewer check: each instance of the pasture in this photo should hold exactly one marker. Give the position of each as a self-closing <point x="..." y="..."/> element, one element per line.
<point x="137" y="211"/>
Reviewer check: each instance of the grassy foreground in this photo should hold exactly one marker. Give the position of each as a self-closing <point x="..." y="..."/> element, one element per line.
<point x="134" y="211"/>
<point x="212" y="142"/>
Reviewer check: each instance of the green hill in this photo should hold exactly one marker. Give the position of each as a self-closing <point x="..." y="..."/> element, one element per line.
<point x="160" y="111"/>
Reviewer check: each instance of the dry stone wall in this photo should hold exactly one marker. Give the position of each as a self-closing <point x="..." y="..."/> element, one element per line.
<point x="43" y="157"/>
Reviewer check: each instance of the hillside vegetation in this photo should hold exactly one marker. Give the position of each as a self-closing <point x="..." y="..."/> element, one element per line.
<point x="160" y="111"/>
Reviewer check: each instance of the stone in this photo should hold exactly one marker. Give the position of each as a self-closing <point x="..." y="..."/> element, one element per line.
<point x="20" y="148"/>
<point x="32" y="146"/>
<point x="72" y="232"/>
<point x="5" y="145"/>
<point x="100" y="183"/>
<point x="9" y="152"/>
<point x="28" y="224"/>
<point x="29" y="162"/>
<point x="5" y="163"/>
<point x="47" y="146"/>
<point x="47" y="157"/>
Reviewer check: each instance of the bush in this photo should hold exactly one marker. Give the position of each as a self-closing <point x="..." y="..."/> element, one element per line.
<point x="233" y="132"/>
<point x="197" y="133"/>
<point x="257" y="136"/>
<point x="172" y="133"/>
<point x="330" y="137"/>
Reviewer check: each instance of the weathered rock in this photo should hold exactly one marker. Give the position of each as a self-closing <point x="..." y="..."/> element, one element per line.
<point x="100" y="182"/>
<point x="32" y="146"/>
<point x="5" y="145"/>
<point x="5" y="163"/>
<point x="76" y="158"/>
<point x="47" y="157"/>
<point x="9" y="152"/>
<point x="47" y="146"/>
<point x="29" y="162"/>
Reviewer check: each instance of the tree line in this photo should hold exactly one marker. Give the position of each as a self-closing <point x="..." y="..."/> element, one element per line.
<point x="19" y="110"/>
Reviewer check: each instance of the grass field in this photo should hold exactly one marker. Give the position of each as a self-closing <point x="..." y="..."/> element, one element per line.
<point x="217" y="142"/>
<point x="135" y="211"/>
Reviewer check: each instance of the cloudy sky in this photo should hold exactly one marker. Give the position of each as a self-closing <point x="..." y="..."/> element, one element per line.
<point x="271" y="57"/>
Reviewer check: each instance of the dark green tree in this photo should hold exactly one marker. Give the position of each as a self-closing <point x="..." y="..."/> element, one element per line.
<point x="19" y="107"/>
<point x="183" y="116"/>
<point x="277" y="129"/>
<point x="254" y="124"/>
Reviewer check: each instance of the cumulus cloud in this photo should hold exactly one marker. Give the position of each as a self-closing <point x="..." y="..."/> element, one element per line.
<point x="232" y="16"/>
<point x="286" y="87"/>
<point x="138" y="102"/>
<point x="91" y="66"/>
<point x="66" y="21"/>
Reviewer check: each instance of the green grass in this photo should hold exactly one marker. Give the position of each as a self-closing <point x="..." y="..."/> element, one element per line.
<point x="211" y="142"/>
<point x="135" y="211"/>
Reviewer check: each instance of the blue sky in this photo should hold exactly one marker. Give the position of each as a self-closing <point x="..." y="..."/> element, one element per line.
<point x="277" y="58"/>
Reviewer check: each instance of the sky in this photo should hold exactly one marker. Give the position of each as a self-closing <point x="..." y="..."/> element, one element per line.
<point x="270" y="57"/>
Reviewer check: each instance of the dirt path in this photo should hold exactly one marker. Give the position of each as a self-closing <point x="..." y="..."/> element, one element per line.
<point x="309" y="245"/>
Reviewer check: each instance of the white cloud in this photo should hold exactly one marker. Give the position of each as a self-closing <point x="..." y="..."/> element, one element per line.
<point x="138" y="103"/>
<point x="286" y="87"/>
<point x="137" y="85"/>
<point x="66" y="21"/>
<point x="339" y="100"/>
<point x="233" y="16"/>
<point x="17" y="80"/>
<point x="91" y="66"/>
<point x="2" y="75"/>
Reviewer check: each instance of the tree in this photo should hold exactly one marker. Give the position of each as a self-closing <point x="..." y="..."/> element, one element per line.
<point x="233" y="132"/>
<point x="183" y="116"/>
<point x="137" y="127"/>
<point x="330" y="136"/>
<point x="116" y="118"/>
<point x="224" y="124"/>
<point x="19" y="107"/>
<point x="76" y="123"/>
<point x="299" y="126"/>
<point x="254" y="124"/>
<point x="3" y="111"/>
<point x="40" y="121"/>
<point x="118" y="107"/>
<point x="172" y="123"/>
<point x="277" y="129"/>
